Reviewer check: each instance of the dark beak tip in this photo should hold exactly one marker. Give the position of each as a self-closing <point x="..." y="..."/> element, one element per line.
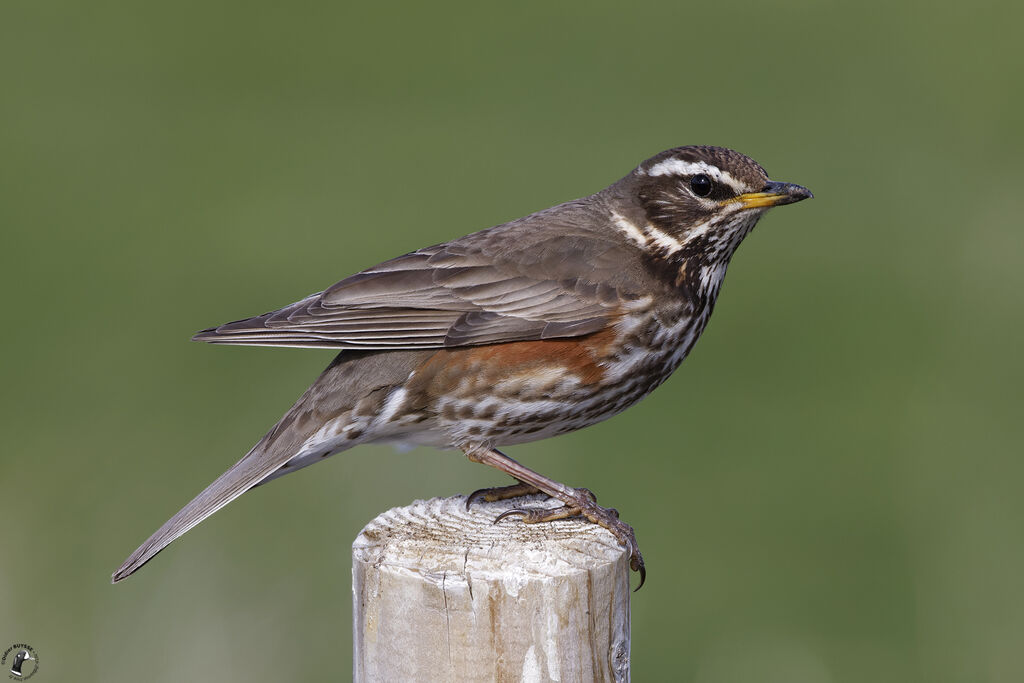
<point x="791" y="192"/>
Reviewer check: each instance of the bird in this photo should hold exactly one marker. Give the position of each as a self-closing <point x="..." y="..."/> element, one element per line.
<point x="523" y="331"/>
<point x="18" y="663"/>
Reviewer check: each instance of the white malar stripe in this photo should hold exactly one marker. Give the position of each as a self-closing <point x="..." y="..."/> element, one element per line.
<point x="629" y="229"/>
<point x="699" y="229"/>
<point x="670" y="244"/>
<point x="686" y="168"/>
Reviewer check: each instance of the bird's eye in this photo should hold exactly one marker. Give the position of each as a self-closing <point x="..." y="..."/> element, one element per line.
<point x="701" y="185"/>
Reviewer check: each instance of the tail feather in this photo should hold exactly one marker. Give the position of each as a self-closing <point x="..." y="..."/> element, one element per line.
<point x="272" y="457"/>
<point x="257" y="465"/>
<point x="354" y="378"/>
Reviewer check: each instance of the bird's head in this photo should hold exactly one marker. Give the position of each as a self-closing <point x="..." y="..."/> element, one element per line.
<point x="700" y="200"/>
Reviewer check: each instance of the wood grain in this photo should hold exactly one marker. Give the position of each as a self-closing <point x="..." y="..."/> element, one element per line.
<point x="444" y="594"/>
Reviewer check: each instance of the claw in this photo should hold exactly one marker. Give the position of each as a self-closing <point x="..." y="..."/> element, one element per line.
<point x="639" y="567"/>
<point x="509" y="513"/>
<point x="473" y="497"/>
<point x="583" y="503"/>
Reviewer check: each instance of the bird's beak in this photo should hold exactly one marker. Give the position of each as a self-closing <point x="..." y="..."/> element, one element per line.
<point x="773" y="194"/>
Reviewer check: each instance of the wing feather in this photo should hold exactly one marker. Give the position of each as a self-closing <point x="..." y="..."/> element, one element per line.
<point x="519" y="281"/>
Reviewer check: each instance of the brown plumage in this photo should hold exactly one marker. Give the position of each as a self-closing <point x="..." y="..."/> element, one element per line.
<point x="526" y="330"/>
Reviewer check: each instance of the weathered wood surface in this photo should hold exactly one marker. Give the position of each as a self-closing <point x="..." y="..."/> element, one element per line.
<point x="444" y="594"/>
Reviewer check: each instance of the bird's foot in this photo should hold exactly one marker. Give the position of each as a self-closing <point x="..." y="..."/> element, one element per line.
<point x="493" y="495"/>
<point x="584" y="504"/>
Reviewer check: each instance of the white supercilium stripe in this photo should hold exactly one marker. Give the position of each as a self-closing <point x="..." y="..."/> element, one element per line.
<point x="686" y="168"/>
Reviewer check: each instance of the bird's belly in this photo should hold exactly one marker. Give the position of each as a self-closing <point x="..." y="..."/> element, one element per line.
<point x="525" y="391"/>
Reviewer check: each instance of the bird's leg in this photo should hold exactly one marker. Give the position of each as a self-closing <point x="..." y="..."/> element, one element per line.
<point x="496" y="493"/>
<point x="577" y="502"/>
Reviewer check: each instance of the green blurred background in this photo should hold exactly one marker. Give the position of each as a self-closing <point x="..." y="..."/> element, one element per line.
<point x="827" y="490"/>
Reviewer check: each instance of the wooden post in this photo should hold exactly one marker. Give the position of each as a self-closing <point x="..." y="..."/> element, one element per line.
<point x="444" y="594"/>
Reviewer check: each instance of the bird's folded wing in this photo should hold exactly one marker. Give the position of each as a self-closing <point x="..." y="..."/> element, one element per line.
<point x="444" y="296"/>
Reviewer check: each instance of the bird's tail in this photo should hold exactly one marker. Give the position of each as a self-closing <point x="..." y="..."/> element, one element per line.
<point x="300" y="438"/>
<point x="284" y="449"/>
<point x="260" y="464"/>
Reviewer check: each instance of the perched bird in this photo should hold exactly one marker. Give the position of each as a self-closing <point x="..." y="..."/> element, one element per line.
<point x="519" y="332"/>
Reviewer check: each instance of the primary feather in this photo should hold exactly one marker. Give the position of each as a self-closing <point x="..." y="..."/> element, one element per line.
<point x="455" y="294"/>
